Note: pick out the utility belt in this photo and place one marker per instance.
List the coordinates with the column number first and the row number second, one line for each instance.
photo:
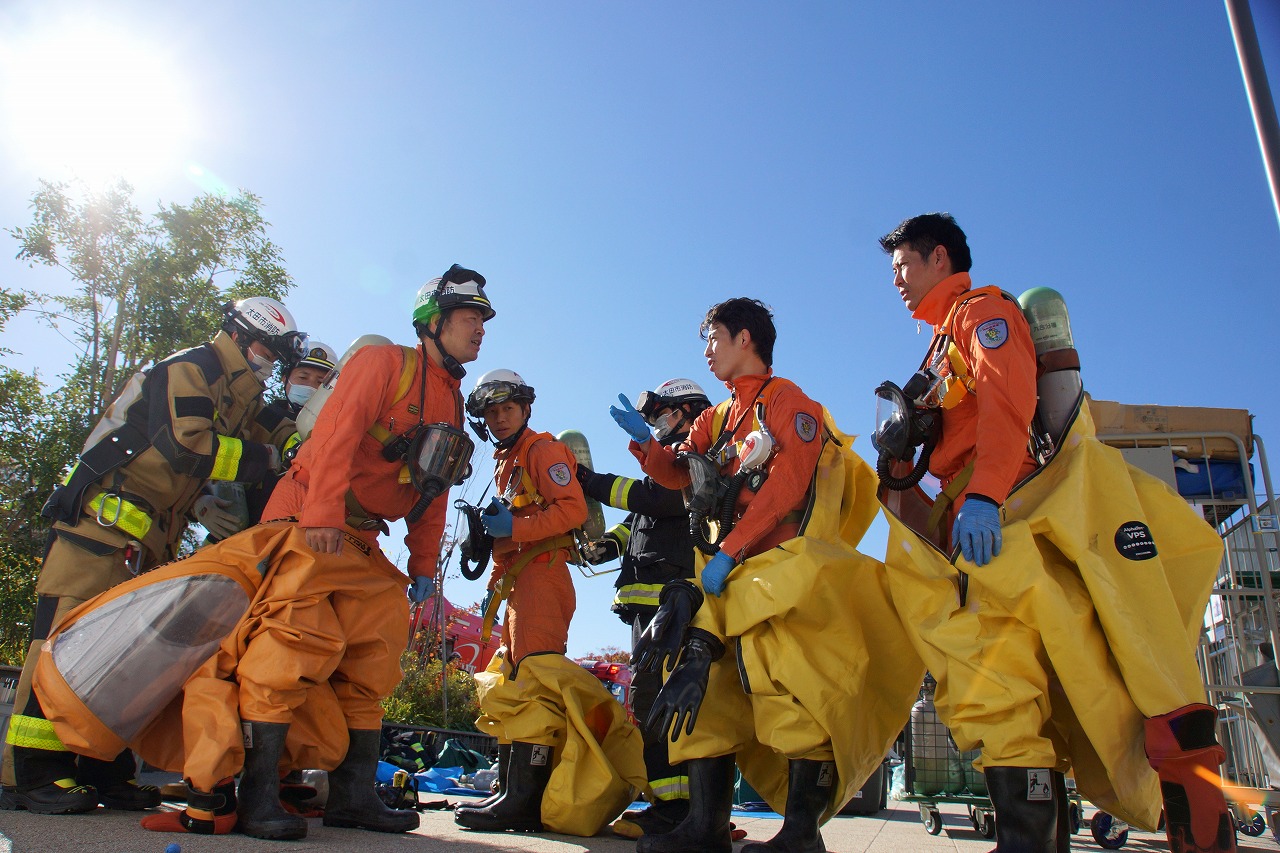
column 506, row 584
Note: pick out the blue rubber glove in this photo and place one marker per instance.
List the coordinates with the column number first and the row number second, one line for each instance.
column 631, row 421
column 715, row 572
column 421, row 589
column 496, row 519
column 977, row 529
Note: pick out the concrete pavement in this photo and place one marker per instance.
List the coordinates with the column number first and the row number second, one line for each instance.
column 897, row 829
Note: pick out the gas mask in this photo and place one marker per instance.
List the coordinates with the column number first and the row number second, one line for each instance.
column 907, row 418
column 439, row 456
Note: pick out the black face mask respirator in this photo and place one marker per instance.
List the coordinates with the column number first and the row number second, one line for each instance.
column 907, row 418
column 439, row 456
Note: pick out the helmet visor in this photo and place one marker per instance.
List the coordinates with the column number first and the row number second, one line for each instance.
column 492, row 393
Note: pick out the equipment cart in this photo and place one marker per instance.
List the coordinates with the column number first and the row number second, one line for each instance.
column 936, row 772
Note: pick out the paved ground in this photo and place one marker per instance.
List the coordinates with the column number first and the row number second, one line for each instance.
column 895, row 830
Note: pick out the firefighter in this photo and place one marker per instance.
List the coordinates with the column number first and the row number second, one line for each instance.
column 527, row 692
column 655, row 546
column 791, row 500
column 330, row 617
column 194, row 416
column 230, row 508
column 1041, row 633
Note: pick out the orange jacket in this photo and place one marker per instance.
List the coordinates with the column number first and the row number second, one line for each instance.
column 988, row 427
column 794, row 420
column 340, row 455
column 550, row 467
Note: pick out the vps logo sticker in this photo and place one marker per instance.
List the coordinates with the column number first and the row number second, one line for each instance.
column 1134, row 542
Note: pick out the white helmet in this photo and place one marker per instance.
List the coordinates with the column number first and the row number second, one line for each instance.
column 497, row 386
column 266, row 320
column 683, row 395
column 316, row 354
column 457, row 288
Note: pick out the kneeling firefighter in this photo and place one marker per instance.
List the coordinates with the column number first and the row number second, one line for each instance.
column 790, row 601
column 193, row 417
column 303, row 671
column 1054, row 592
column 532, row 698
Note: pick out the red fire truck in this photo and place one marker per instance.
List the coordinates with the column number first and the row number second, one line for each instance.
column 616, row 678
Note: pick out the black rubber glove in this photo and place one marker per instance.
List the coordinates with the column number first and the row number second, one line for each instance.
column 681, row 697
column 584, row 475
column 659, row 645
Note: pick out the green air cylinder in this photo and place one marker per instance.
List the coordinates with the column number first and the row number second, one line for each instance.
column 1059, row 386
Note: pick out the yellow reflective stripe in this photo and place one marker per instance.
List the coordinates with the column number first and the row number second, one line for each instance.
column 67, row 479
column 622, row 533
column 227, row 461
column 127, row 516
column 645, row 594
column 33, row 733
column 670, row 788
column 294, row 441
column 620, row 491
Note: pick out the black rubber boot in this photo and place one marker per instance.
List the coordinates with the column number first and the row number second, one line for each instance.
column 47, row 784
column 809, row 790
column 656, row 819
column 504, row 761
column 117, row 784
column 706, row 829
column 1064, row 812
column 352, row 802
column 1026, row 809
column 520, row 806
column 258, row 809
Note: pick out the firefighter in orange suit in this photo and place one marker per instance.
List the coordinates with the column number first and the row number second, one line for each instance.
column 332, row 609
column 1003, row 680
column 773, row 427
column 193, row 417
column 532, row 522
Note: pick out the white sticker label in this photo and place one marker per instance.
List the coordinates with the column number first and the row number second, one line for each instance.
column 1039, row 786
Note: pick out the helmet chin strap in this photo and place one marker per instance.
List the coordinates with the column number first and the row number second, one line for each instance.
column 451, row 364
column 504, row 443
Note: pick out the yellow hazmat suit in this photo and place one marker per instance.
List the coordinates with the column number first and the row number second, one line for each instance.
column 599, row 753
column 818, row 665
column 1094, row 608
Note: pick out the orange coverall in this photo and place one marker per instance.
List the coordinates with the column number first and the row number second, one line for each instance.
column 794, row 421
column 318, row 619
column 542, row 601
column 989, row 427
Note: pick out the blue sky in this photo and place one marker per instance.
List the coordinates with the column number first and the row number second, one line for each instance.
column 614, row 169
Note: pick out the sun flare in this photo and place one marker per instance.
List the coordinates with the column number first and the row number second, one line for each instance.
column 93, row 104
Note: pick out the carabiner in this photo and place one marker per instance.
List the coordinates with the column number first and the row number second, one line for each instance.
column 102, row 505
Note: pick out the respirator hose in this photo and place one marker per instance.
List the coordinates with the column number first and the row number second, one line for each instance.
column 901, row 484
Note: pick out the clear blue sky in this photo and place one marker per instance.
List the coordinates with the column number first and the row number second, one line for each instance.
column 614, row 169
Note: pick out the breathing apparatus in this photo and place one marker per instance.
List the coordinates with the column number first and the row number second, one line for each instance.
column 1058, row 385
column 477, row 548
column 711, row 495
column 907, row 418
column 457, row 288
column 498, row 386
column 439, row 456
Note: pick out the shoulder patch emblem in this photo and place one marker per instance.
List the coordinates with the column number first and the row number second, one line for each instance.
column 806, row 427
column 993, row 333
column 560, row 474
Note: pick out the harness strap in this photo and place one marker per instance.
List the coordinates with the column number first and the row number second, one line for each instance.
column 507, row 583
column 407, row 369
column 948, row 496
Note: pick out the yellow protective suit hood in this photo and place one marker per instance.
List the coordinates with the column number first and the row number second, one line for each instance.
column 818, row 663
column 1091, row 549
column 599, row 753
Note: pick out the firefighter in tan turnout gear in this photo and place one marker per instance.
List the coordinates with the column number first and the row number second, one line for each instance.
column 194, row 417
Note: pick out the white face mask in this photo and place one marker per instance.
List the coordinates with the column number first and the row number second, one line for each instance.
column 299, row 394
column 262, row 367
